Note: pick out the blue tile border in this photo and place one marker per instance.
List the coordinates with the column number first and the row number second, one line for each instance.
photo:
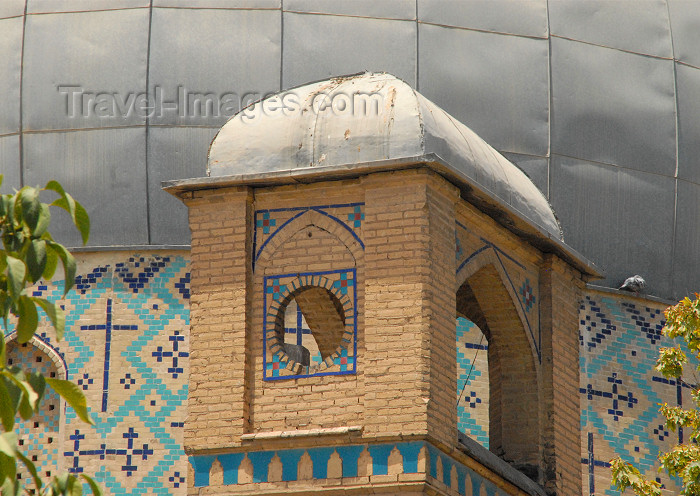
column 350, row 455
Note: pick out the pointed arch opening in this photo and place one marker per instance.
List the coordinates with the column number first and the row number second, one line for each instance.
column 484, row 303
column 41, row 436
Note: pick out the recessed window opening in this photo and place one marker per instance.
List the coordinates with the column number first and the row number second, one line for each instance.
column 310, row 325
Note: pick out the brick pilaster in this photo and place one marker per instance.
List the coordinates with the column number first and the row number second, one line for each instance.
column 410, row 378
column 560, row 287
column 220, row 286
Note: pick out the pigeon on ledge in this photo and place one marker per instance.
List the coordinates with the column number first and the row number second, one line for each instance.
column 634, row 283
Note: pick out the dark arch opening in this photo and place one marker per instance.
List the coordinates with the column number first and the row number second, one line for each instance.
column 512, row 375
column 310, row 324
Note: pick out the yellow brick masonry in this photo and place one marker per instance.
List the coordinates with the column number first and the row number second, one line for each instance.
column 560, row 291
column 411, row 363
column 221, row 288
column 406, row 287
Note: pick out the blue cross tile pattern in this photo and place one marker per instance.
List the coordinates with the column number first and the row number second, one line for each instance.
column 126, row 347
column 621, row 390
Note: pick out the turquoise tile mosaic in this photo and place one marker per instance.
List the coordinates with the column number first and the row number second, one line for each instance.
column 126, row 346
column 621, row 390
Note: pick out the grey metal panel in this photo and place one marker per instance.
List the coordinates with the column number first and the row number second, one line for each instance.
column 685, row 26
column 9, row 163
column 641, row 26
column 621, row 218
column 387, row 9
column 495, row 84
column 220, row 4
column 173, row 153
column 686, row 266
column 48, row 6
column 235, row 58
column 94, row 53
column 536, row 168
column 105, row 170
column 613, row 107
column 348, row 45
column 688, row 87
column 10, row 54
column 11, row 8
column 528, row 18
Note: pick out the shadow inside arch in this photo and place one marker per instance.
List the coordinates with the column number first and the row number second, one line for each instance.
column 483, row 298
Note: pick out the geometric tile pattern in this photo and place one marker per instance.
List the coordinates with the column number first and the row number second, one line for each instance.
column 620, row 390
column 269, row 222
column 279, row 305
column 126, row 346
column 470, row 247
column 413, row 457
column 472, row 382
column 38, row 436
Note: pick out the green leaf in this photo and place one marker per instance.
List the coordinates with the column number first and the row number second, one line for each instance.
column 43, row 222
column 8, row 404
column 82, row 222
column 36, row 259
column 28, row 396
column 96, row 490
column 38, row 384
column 51, row 264
column 9, row 488
column 8, row 474
column 73, row 486
column 32, row 470
column 8, row 443
column 55, row 313
column 27, row 320
column 68, row 261
column 75, row 209
column 28, row 198
column 73, row 396
column 16, row 272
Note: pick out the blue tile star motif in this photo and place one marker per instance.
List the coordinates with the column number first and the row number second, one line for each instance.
column 344, row 283
column 274, row 366
column 344, row 360
column 276, row 289
column 527, row 295
column 266, row 222
column 356, row 216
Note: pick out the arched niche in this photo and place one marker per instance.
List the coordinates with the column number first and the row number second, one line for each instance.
column 484, row 299
column 41, row 436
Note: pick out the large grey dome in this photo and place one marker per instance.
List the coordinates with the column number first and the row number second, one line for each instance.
column 595, row 100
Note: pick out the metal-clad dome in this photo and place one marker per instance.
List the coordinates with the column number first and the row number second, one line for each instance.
column 364, row 119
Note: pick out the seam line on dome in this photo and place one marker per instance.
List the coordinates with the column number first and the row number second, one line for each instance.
column 479, row 30
column 624, row 50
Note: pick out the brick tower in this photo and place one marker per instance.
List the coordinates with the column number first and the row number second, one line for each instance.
column 342, row 228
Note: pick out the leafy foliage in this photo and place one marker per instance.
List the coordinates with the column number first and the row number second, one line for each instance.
column 683, row 461
column 28, row 254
